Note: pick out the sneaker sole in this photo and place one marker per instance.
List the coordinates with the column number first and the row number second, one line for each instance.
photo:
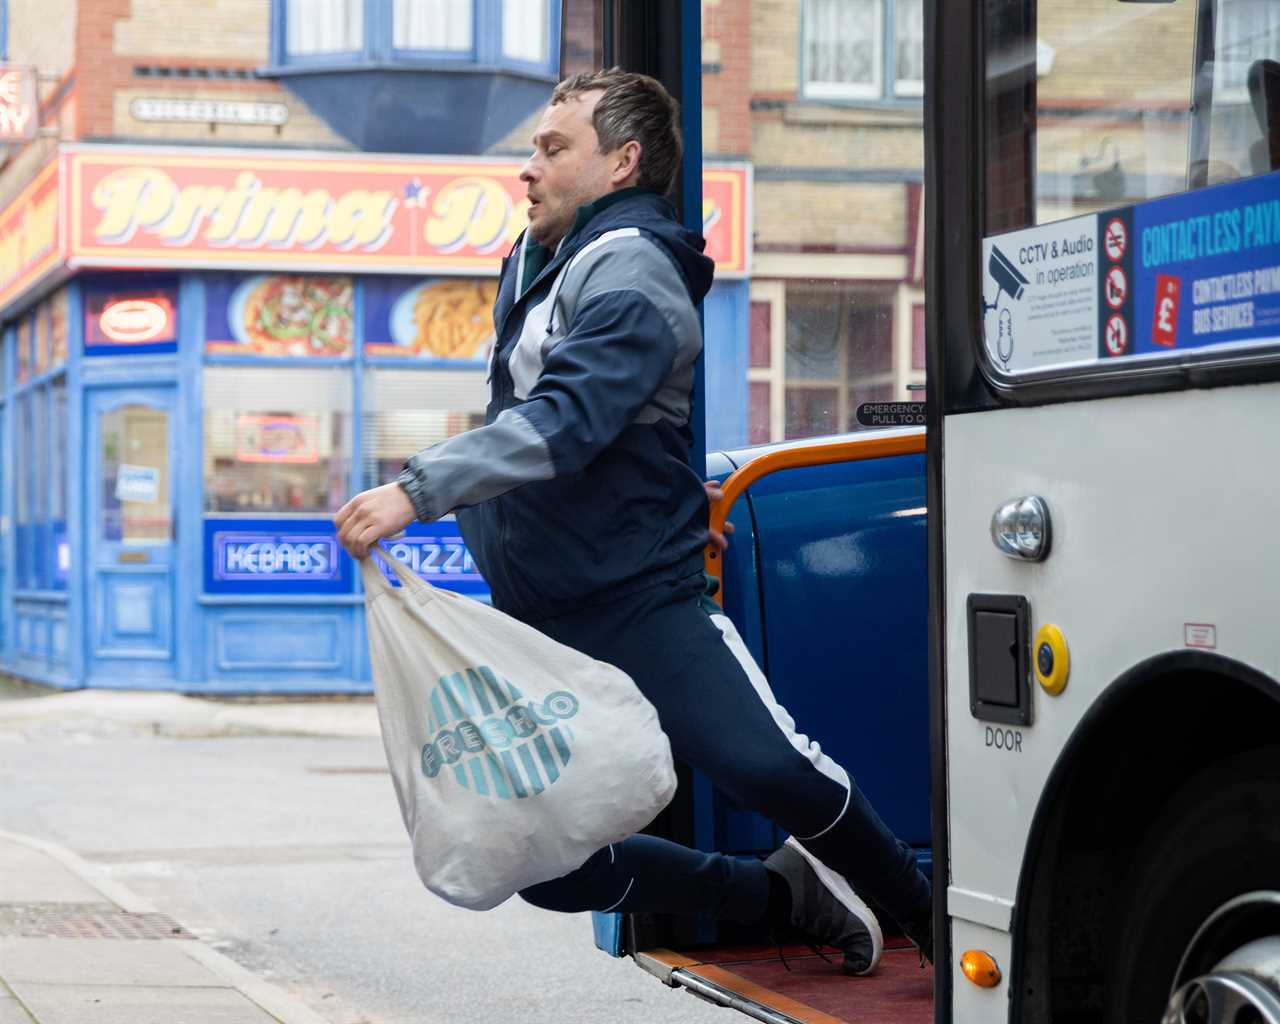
column 843, row 891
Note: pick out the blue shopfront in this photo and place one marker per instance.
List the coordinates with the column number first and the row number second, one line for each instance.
column 175, row 444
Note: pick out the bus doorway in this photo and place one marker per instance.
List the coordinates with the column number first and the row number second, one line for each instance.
column 803, row 131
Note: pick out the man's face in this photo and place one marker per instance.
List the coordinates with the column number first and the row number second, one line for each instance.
column 566, row 169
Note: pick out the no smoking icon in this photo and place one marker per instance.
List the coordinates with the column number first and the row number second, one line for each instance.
column 1116, row 334
column 1116, row 287
column 1116, row 239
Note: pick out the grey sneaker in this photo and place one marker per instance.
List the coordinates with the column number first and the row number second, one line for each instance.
column 826, row 910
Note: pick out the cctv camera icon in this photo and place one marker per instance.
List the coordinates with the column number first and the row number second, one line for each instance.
column 1007, row 277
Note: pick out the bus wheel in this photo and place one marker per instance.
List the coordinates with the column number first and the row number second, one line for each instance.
column 1243, row 986
column 1202, row 890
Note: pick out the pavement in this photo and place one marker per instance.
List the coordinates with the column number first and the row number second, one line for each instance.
column 76, row 947
column 173, row 714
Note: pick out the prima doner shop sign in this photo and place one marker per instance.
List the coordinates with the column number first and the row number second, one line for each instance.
column 29, row 236
column 224, row 209
column 133, row 206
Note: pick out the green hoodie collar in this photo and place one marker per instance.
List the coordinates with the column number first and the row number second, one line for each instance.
column 537, row 255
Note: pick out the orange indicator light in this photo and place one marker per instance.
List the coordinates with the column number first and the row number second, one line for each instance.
column 980, row 968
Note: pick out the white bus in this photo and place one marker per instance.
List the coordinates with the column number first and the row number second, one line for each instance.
column 1103, row 232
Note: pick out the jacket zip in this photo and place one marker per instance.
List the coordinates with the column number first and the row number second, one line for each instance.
column 500, row 381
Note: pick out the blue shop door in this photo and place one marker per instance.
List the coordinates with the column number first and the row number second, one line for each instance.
column 131, row 537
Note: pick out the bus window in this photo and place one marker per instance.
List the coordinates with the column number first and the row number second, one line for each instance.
column 1130, row 101
column 815, row 107
column 1107, row 126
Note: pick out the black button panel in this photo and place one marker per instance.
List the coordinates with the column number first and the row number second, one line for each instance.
column 1000, row 658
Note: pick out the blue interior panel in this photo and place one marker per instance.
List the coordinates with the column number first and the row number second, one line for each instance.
column 826, row 579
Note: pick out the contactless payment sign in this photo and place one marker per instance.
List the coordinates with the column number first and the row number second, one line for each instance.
column 1209, row 267
column 1183, row 274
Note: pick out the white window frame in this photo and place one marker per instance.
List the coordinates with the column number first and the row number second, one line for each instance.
column 881, row 88
column 544, row 14
column 845, row 90
column 906, row 88
column 294, row 23
column 400, row 8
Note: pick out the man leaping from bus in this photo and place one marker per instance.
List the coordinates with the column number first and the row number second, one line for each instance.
column 579, row 505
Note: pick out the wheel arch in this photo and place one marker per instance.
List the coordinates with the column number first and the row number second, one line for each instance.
column 1157, row 725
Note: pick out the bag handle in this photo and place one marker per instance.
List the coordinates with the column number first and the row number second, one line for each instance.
column 376, row 583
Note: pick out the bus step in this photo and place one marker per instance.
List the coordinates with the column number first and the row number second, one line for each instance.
column 754, row 981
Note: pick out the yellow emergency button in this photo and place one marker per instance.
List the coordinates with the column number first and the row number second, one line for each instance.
column 980, row 968
column 1052, row 661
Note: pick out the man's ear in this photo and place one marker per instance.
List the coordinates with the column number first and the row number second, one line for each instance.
column 627, row 165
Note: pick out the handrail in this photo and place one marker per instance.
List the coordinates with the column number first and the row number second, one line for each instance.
column 795, row 458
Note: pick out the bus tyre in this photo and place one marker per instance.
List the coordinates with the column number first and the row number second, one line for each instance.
column 1217, row 838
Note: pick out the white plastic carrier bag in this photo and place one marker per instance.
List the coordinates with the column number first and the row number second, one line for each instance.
column 514, row 758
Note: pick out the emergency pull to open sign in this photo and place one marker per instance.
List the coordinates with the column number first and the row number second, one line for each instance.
column 891, row 414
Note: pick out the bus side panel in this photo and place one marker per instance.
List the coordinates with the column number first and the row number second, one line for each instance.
column 1157, row 546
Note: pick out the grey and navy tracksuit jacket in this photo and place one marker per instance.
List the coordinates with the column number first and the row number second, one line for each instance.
column 579, row 485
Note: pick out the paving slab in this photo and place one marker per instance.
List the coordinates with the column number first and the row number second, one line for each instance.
column 113, row 1004
column 30, row 876
column 101, row 962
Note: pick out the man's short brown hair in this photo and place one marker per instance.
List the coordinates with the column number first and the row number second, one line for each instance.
column 635, row 107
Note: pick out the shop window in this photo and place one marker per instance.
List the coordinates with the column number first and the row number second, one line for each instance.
column 40, row 457
column 276, row 442
column 406, row 410
column 839, row 353
column 761, row 339
column 58, row 551
column 758, row 416
column 917, row 338
column 24, row 350
column 848, row 55
column 24, row 472
column 135, row 487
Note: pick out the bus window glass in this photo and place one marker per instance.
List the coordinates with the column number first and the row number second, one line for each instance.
column 1097, row 104
column 814, row 108
column 1105, row 122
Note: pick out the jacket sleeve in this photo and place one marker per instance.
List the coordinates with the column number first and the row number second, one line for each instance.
column 632, row 325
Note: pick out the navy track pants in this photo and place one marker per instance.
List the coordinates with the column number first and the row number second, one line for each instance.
column 716, row 707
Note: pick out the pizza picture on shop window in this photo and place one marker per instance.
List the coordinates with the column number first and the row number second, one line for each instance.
column 293, row 315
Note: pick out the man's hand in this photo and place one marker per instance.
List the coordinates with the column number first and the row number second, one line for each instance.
column 372, row 515
column 714, row 494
